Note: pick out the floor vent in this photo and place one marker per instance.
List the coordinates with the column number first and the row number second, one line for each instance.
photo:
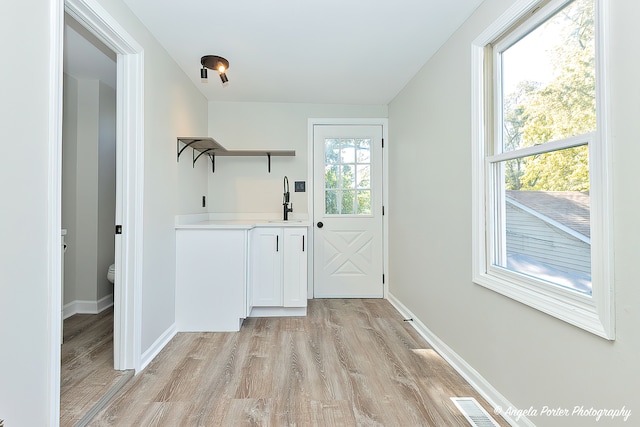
column 473, row 412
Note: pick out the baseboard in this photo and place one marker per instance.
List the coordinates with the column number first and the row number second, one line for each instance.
column 473, row 377
column 278, row 311
column 87, row 307
column 157, row 346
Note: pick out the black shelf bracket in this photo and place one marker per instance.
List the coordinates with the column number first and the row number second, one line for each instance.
column 269, row 162
column 186, row 144
column 213, row 162
column 198, row 156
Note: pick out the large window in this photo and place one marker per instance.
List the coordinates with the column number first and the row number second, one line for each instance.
column 541, row 223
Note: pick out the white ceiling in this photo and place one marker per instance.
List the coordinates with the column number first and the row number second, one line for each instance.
column 329, row 51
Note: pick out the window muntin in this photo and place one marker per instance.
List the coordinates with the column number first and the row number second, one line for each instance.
column 347, row 178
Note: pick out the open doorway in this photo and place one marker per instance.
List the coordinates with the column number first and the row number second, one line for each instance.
column 88, row 223
column 129, row 188
column 88, row 170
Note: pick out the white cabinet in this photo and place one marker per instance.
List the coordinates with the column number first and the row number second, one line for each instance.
column 294, row 280
column 266, row 266
column 211, row 279
column 278, row 270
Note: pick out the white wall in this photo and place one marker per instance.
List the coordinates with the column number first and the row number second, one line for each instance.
column 24, row 295
column 173, row 107
column 243, row 184
column 531, row 358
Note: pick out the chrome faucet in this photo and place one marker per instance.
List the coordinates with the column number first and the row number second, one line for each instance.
column 287, row 206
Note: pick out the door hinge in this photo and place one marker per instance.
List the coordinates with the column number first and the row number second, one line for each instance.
column 382, row 142
column 118, row 229
column 383, row 278
column 382, row 209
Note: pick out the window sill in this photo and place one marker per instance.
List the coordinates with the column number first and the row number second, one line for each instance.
column 568, row 306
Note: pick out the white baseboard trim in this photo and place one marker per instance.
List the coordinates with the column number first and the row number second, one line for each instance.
column 278, row 311
column 87, row 307
column 473, row 377
column 157, row 346
column 105, row 303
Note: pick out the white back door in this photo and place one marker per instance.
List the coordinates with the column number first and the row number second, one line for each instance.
column 348, row 253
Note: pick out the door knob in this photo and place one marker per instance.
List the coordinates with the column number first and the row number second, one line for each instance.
column 320, row 224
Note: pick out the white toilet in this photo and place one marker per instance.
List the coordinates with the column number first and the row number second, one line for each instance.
column 111, row 273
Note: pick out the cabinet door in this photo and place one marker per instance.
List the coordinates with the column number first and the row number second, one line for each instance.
column 295, row 267
column 267, row 247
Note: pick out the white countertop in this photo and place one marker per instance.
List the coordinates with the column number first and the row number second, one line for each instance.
column 204, row 221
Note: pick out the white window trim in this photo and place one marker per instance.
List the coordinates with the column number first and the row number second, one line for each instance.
column 595, row 314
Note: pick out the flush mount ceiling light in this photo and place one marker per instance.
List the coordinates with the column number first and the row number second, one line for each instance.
column 217, row 63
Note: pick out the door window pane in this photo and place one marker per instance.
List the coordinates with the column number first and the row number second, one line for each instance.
column 364, row 150
column 363, row 174
column 364, row 202
column 331, row 174
column 331, row 151
column 347, row 179
column 331, row 202
column 348, row 176
column 347, row 207
column 347, row 151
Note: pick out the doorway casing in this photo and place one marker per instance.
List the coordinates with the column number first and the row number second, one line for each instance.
column 129, row 186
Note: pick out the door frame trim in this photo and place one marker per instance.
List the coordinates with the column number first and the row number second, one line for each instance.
column 130, row 155
column 311, row 123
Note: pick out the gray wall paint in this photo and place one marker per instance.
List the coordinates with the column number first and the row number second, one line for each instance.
column 531, row 358
column 106, row 188
column 86, row 226
column 88, row 187
column 69, row 182
column 243, row 184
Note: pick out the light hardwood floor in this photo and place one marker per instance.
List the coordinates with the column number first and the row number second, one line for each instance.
column 86, row 371
column 350, row 362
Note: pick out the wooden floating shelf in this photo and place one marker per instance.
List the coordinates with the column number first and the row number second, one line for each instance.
column 212, row 148
column 256, row 153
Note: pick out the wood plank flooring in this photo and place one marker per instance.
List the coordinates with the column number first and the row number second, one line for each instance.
column 87, row 372
column 350, row 362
